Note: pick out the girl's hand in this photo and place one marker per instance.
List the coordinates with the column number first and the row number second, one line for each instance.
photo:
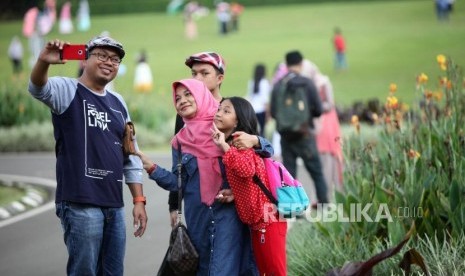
column 146, row 162
column 225, row 196
column 219, row 139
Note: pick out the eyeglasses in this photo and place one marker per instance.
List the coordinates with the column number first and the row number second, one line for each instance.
column 104, row 57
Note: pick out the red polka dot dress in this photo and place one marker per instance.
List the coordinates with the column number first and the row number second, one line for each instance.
column 241, row 166
column 253, row 206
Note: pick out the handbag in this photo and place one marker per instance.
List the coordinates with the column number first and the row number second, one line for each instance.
column 129, row 138
column 182, row 255
column 165, row 268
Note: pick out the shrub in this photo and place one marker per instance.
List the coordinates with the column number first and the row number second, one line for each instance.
column 310, row 252
column 19, row 107
column 415, row 163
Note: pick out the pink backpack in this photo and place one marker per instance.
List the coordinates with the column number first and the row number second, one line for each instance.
column 285, row 192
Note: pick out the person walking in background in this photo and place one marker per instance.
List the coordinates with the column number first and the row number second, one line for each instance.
column 83, row 16
column 299, row 142
column 65, row 23
column 220, row 238
column 258, row 94
column 15, row 53
column 190, row 26
column 339, row 43
column 89, row 123
column 236, row 10
column 443, row 7
column 143, row 80
column 328, row 136
column 268, row 233
column 223, row 14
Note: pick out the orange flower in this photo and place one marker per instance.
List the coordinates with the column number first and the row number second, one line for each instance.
column 437, row 96
column 392, row 87
column 443, row 81
column 428, row 94
column 387, row 120
column 449, row 85
column 413, row 154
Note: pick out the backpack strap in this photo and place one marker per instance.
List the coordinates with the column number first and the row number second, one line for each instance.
column 265, row 190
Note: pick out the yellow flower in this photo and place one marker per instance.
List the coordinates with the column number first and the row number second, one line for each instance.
column 21, row 108
column 392, row 87
column 355, row 123
column 422, row 78
column 392, row 102
column 441, row 59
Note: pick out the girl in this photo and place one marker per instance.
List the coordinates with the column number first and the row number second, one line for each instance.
column 268, row 233
column 220, row 238
column 259, row 91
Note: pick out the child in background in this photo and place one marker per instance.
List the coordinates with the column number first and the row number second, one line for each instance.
column 268, row 233
column 15, row 53
column 340, row 49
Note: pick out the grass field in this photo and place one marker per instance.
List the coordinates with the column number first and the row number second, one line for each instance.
column 386, row 42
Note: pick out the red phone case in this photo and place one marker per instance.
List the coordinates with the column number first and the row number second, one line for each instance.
column 74, row 52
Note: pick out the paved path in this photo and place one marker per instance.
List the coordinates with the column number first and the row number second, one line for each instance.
column 32, row 244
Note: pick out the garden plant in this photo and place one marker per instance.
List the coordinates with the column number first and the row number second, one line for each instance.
column 413, row 171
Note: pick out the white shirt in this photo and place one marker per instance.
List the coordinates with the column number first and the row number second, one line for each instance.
column 260, row 99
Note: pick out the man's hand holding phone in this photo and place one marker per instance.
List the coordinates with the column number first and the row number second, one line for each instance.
column 73, row 52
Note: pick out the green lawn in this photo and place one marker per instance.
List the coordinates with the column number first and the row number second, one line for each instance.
column 386, row 42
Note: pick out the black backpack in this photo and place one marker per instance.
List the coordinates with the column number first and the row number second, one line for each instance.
column 291, row 108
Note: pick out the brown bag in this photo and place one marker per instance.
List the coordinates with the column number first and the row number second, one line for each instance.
column 182, row 256
column 129, row 138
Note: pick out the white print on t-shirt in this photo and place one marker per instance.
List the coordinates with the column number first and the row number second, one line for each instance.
column 97, row 119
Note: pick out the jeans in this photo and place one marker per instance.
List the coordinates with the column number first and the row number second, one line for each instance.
column 95, row 238
column 340, row 62
column 306, row 149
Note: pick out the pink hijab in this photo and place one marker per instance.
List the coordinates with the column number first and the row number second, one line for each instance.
column 195, row 138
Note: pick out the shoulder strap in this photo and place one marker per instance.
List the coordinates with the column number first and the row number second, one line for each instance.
column 179, row 182
column 265, row 190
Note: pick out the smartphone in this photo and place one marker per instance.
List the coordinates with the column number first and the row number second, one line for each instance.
column 74, row 52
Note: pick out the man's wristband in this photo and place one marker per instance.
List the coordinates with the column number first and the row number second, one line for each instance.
column 152, row 169
column 139, row 199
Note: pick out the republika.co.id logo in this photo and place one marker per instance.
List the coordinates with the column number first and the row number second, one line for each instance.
column 354, row 212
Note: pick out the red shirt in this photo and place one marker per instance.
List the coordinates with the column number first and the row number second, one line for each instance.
column 241, row 166
column 339, row 43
